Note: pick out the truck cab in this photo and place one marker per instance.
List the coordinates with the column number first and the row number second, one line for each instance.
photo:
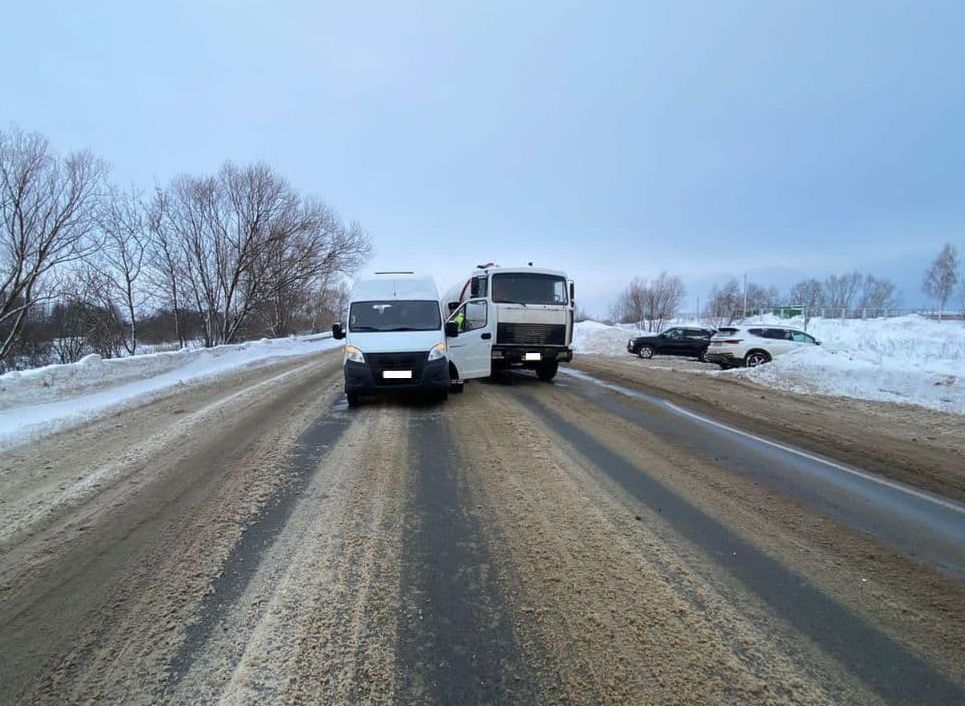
column 511, row 317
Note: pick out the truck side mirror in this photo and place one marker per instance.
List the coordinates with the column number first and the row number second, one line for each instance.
column 338, row 332
column 452, row 329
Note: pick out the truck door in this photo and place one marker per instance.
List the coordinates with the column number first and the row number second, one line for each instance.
column 471, row 350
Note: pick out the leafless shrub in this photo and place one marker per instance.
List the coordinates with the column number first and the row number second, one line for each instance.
column 725, row 304
column 650, row 303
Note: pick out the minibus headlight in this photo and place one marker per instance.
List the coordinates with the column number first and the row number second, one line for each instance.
column 437, row 351
column 354, row 354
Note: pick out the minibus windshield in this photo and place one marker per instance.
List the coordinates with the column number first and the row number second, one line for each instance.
column 395, row 315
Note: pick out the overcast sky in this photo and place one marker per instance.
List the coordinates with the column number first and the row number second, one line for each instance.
column 607, row 139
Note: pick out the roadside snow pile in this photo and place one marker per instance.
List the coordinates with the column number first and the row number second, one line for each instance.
column 594, row 338
column 905, row 338
column 34, row 402
column 908, row 359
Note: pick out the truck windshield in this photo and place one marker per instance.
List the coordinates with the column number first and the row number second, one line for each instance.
column 395, row 316
column 525, row 288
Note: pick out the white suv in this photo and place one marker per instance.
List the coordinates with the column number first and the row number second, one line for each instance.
column 750, row 346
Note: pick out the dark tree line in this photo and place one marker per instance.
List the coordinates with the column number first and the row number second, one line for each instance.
column 87, row 267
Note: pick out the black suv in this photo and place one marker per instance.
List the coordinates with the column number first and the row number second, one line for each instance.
column 691, row 342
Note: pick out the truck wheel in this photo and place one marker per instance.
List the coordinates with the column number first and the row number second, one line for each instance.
column 353, row 399
column 547, row 371
column 645, row 352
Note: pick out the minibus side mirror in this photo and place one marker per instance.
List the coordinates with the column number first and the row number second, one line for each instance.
column 338, row 332
column 452, row 329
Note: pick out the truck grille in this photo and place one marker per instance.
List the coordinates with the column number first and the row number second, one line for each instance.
column 378, row 362
column 531, row 334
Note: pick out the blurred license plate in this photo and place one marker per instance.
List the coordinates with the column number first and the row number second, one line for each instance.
column 397, row 374
column 532, row 356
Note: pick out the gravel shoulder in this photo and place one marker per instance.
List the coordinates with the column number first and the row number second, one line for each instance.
column 921, row 447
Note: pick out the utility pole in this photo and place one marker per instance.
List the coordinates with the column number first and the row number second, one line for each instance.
column 745, row 295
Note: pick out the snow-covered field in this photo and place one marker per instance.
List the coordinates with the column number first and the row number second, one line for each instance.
column 907, row 359
column 40, row 401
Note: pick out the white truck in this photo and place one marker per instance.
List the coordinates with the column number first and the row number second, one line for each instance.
column 509, row 317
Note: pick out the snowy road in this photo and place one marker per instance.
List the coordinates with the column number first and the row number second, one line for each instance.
column 251, row 540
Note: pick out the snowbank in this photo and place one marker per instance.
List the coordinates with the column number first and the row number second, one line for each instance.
column 592, row 337
column 43, row 400
column 907, row 359
column 935, row 383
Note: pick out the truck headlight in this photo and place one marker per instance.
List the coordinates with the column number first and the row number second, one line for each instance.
column 437, row 351
column 354, row 354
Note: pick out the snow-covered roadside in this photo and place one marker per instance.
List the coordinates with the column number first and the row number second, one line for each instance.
column 908, row 359
column 37, row 402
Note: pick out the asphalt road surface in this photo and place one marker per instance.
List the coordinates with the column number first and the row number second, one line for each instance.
column 614, row 537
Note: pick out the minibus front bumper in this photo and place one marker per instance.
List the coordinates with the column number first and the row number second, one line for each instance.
column 369, row 378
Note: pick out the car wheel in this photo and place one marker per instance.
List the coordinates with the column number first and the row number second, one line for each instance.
column 645, row 352
column 456, row 387
column 755, row 358
column 353, row 399
column 702, row 356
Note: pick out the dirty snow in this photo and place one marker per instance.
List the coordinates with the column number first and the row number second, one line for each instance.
column 40, row 401
column 907, row 359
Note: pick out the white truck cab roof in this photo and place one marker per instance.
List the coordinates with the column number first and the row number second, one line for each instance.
column 457, row 291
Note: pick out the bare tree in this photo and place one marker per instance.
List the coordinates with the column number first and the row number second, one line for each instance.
column 724, row 304
column 877, row 294
column 166, row 268
column 246, row 243
column 760, row 298
column 809, row 295
column 649, row 303
column 305, row 256
column 629, row 306
column 661, row 300
column 840, row 291
column 47, row 211
column 941, row 277
column 119, row 259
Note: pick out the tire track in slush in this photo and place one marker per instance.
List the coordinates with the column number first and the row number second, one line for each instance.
column 245, row 557
column 897, row 675
column 455, row 643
